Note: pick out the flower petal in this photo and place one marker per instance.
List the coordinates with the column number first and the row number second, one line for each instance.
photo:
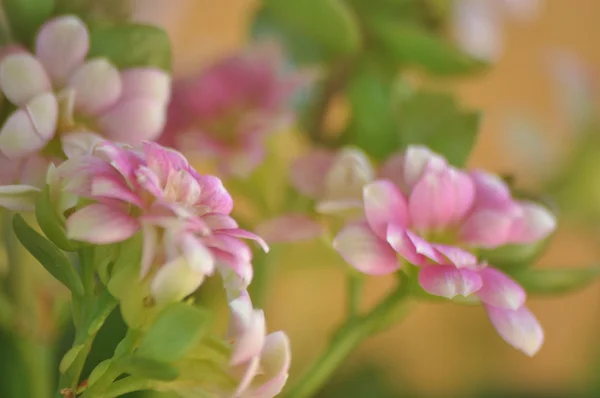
column 242, row 233
column 80, row 143
column 18, row 197
column 134, row 120
column 418, row 160
column 535, row 223
column 198, row 256
column 307, row 174
column 101, row 224
column 499, row 290
column 518, row 328
column 97, row 86
column 289, row 228
column 449, row 281
column 62, row 45
column 149, row 248
column 150, row 83
column 28, row 130
column 384, row 204
column 365, row 251
column 174, row 281
column 393, row 169
column 22, row 77
column 490, row 191
column 275, row 363
column 487, row 228
column 250, row 339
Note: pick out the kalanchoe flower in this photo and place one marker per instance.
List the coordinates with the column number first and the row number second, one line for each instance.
column 477, row 24
column 59, row 92
column 334, row 179
column 182, row 215
column 228, row 111
column 432, row 214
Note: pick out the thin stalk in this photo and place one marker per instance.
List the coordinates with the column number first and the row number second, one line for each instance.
column 355, row 289
column 348, row 337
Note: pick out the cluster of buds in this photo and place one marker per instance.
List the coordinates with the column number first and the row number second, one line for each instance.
column 58, row 92
column 438, row 220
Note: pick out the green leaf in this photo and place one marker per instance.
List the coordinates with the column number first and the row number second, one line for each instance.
column 151, row 369
column 51, row 258
column 132, row 45
column 373, row 125
column 51, row 223
column 69, row 358
column 436, row 121
column 26, row 16
column 553, row 281
column 175, row 332
column 514, row 256
column 413, row 45
column 98, row 372
column 329, row 23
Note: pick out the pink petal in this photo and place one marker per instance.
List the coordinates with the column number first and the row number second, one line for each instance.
column 242, row 233
column 163, row 160
column 477, row 28
column 236, row 275
column 384, row 204
column 22, row 77
column 487, row 228
column 439, row 199
column 418, row 160
column 499, row 290
column 250, row 339
column 535, row 223
column 219, row 221
column 214, row 195
column 146, row 82
column 101, row 224
column 97, row 86
column 518, row 328
column 18, row 197
column 449, row 281
column 365, row 251
column 174, row 281
column 414, row 249
column 134, row 120
column 28, row 130
column 62, row 45
column 275, row 363
column 393, row 169
column 307, row 174
column 456, row 256
column 114, row 187
column 490, row 191
column 289, row 228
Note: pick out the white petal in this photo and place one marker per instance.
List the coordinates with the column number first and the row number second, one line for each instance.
column 18, row 197
column 22, row 77
column 97, row 86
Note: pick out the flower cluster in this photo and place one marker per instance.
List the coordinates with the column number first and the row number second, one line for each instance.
column 435, row 217
column 227, row 112
column 58, row 92
column 188, row 233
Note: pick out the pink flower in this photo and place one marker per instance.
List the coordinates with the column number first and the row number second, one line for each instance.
column 334, row 179
column 262, row 362
column 228, row 111
column 431, row 213
column 57, row 92
column 182, row 215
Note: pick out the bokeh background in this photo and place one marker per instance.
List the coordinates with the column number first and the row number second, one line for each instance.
column 441, row 350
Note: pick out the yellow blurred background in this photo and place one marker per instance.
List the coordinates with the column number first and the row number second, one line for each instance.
column 442, row 348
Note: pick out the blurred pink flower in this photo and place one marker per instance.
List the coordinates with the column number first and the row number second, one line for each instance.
column 182, row 215
column 262, row 362
column 227, row 112
column 478, row 24
column 58, row 92
column 431, row 214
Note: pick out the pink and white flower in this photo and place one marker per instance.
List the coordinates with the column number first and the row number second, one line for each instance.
column 228, row 111
column 184, row 217
column 431, row 214
column 58, row 92
column 262, row 360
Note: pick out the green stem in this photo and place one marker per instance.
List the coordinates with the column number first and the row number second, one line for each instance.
column 355, row 289
column 20, row 287
column 348, row 337
column 127, row 385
